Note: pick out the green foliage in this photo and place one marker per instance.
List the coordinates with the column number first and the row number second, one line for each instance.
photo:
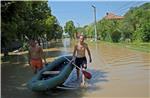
column 146, row 32
column 135, row 26
column 28, row 19
column 70, row 29
column 51, row 25
column 59, row 33
column 89, row 31
column 109, row 30
column 116, row 35
column 80, row 29
column 135, row 23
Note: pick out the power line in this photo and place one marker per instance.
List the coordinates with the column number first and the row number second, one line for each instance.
column 122, row 6
column 127, row 6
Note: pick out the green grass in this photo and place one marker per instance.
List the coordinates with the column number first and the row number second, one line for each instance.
column 144, row 47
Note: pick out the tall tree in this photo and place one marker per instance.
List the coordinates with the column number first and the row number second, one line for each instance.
column 70, row 29
column 134, row 26
column 26, row 19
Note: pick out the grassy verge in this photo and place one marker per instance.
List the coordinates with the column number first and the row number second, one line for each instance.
column 144, row 47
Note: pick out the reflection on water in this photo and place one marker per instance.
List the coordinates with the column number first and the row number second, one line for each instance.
column 97, row 76
column 112, row 68
column 66, row 42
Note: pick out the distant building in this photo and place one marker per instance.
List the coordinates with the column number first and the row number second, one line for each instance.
column 112, row 16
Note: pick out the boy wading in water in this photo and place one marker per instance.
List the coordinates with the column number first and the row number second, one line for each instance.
column 80, row 58
column 35, row 56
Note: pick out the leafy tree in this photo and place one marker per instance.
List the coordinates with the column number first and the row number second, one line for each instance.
column 70, row 29
column 134, row 26
column 136, row 19
column 26, row 19
column 59, row 30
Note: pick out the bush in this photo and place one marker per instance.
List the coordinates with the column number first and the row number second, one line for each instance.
column 146, row 32
column 116, row 35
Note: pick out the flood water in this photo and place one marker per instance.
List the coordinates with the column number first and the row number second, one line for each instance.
column 116, row 72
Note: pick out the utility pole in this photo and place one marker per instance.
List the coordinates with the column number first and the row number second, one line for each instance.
column 95, row 22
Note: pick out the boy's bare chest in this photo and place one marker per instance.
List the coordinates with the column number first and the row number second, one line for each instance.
column 81, row 47
column 35, row 50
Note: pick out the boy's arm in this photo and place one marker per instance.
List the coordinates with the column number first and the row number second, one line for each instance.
column 74, row 53
column 29, row 57
column 89, row 53
column 43, row 55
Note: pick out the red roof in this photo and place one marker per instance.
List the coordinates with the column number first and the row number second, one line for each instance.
column 112, row 16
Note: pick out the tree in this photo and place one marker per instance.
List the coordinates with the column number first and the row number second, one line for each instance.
column 70, row 29
column 26, row 19
column 59, row 33
column 136, row 19
column 134, row 26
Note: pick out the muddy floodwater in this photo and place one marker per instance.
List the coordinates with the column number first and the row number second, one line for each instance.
column 117, row 72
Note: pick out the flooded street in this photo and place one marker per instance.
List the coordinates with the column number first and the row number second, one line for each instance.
column 116, row 72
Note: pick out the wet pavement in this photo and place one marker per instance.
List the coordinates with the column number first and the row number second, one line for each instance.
column 116, row 72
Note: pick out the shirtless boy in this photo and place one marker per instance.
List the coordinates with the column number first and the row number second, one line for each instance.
column 79, row 56
column 35, row 56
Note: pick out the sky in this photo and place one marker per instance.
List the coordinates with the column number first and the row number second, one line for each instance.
column 82, row 12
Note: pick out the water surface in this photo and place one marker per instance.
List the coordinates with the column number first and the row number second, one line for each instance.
column 117, row 72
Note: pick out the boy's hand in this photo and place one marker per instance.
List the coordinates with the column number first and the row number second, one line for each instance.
column 45, row 61
column 46, row 64
column 73, row 59
column 29, row 63
column 85, row 66
column 90, row 60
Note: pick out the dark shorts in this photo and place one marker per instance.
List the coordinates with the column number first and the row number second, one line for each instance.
column 80, row 61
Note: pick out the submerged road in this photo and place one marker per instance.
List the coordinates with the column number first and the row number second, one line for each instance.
column 117, row 72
